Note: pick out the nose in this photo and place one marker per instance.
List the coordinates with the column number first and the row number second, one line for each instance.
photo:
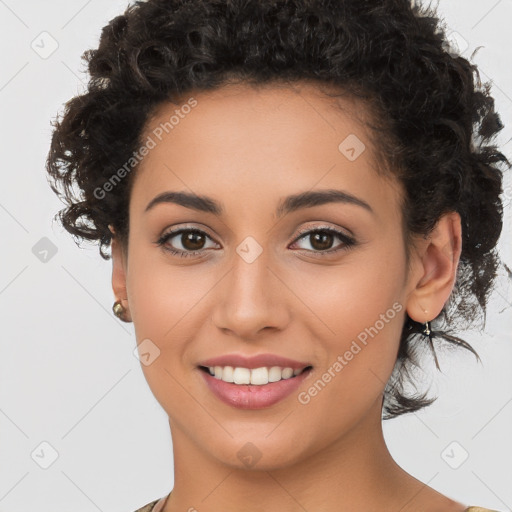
column 252, row 298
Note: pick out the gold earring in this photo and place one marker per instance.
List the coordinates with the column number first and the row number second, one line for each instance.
column 119, row 310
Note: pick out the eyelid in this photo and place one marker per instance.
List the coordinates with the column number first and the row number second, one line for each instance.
column 171, row 233
column 331, row 229
column 186, row 227
column 347, row 240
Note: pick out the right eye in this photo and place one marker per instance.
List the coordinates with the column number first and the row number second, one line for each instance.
column 191, row 241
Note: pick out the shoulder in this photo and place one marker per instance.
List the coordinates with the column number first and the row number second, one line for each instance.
column 479, row 509
column 151, row 506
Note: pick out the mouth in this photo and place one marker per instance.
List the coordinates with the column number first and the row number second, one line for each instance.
column 253, row 388
column 253, row 376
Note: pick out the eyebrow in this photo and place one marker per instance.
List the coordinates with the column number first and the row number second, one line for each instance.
column 289, row 204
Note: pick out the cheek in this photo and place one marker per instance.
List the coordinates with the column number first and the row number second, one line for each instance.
column 162, row 304
column 361, row 310
column 361, row 349
column 359, row 361
column 162, row 296
column 364, row 291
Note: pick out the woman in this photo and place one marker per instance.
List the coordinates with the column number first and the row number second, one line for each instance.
column 299, row 199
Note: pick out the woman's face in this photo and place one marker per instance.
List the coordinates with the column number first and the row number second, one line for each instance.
column 256, row 279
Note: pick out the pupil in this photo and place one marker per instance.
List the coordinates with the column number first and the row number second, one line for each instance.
column 194, row 241
column 191, row 237
column 322, row 236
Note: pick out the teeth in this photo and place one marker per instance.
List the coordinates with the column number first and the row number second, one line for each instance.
column 275, row 374
column 227, row 374
column 259, row 376
column 255, row 376
column 241, row 376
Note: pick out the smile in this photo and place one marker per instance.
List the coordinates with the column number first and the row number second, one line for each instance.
column 242, row 393
column 254, row 376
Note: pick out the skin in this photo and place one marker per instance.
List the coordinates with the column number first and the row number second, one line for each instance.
column 330, row 453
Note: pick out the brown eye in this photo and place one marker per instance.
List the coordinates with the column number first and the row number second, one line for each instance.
column 192, row 242
column 321, row 240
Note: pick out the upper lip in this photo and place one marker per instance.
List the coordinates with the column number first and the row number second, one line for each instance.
column 258, row 361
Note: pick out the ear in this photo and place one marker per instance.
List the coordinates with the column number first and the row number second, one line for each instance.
column 437, row 261
column 119, row 274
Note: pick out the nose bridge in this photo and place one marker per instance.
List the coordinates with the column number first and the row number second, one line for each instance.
column 249, row 284
column 250, row 298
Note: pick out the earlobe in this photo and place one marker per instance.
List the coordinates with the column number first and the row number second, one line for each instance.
column 119, row 276
column 439, row 256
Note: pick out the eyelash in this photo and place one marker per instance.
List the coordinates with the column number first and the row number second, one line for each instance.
column 348, row 242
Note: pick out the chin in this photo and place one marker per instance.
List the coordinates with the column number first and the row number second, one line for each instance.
column 259, row 453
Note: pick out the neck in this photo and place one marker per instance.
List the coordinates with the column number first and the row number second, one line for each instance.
column 356, row 472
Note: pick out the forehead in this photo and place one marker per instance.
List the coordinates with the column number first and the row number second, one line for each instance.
column 286, row 111
column 252, row 143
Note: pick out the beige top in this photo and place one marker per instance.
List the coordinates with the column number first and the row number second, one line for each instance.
column 158, row 505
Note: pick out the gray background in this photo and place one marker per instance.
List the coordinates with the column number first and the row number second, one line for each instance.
column 68, row 376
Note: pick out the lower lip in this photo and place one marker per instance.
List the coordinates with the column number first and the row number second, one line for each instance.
column 246, row 396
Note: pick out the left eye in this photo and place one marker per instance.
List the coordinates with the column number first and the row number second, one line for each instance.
column 321, row 240
column 192, row 241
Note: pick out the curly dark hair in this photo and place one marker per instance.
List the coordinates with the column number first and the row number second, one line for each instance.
column 432, row 121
